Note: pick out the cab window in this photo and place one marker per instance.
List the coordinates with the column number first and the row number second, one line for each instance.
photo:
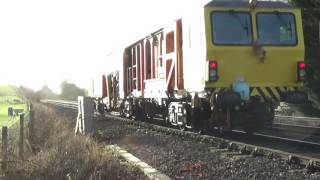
column 276, row 29
column 231, row 28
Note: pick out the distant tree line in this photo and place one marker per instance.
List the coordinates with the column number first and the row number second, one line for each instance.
column 69, row 91
column 311, row 19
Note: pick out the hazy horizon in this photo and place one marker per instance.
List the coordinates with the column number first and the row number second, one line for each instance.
column 45, row 42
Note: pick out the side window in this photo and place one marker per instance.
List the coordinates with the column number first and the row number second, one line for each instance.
column 170, row 42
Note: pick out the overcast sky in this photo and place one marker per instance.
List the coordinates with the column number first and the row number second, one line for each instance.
column 45, row 42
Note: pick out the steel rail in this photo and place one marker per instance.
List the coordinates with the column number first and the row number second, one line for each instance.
column 61, row 103
column 297, row 129
column 299, row 121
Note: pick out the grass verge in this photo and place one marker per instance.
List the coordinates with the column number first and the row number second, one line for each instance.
column 8, row 98
column 60, row 154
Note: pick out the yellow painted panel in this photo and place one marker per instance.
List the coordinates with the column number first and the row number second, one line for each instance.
column 277, row 69
column 254, row 92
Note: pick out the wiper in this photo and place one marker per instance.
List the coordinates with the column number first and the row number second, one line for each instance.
column 244, row 26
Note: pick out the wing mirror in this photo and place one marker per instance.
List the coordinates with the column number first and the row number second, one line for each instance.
column 259, row 51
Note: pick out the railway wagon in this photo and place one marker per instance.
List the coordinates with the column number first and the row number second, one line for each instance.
column 227, row 64
column 107, row 90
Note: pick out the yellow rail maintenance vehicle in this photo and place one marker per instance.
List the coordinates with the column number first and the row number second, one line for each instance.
column 223, row 64
column 255, row 58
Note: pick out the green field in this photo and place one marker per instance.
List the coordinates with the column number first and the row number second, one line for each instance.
column 7, row 91
column 8, row 98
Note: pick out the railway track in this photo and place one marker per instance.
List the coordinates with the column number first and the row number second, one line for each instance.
column 302, row 152
column 303, row 128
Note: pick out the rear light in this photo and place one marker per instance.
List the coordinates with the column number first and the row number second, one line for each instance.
column 301, row 71
column 213, row 71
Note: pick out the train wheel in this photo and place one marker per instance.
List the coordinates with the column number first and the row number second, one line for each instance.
column 188, row 113
column 185, row 120
column 182, row 127
column 270, row 115
column 140, row 114
column 126, row 109
column 121, row 109
column 101, row 108
column 165, row 116
column 260, row 117
column 150, row 117
column 196, row 122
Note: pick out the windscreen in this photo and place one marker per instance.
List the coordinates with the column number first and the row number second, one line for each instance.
column 276, row 29
column 231, row 28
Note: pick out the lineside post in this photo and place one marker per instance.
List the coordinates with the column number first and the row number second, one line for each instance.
column 84, row 123
column 21, row 135
column 4, row 148
column 31, row 123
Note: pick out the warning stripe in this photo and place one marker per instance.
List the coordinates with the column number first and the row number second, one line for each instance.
column 278, row 90
column 261, row 93
column 264, row 92
column 251, row 89
column 254, row 92
column 268, row 92
column 274, row 94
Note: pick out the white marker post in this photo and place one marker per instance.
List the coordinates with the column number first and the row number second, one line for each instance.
column 84, row 123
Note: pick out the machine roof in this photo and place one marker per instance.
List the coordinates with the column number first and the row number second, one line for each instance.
column 243, row 3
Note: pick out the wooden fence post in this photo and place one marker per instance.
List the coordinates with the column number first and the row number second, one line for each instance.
column 21, row 137
column 31, row 123
column 4, row 148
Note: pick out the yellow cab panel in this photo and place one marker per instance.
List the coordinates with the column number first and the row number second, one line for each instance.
column 261, row 44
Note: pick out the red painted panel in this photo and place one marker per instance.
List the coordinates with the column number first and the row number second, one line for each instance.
column 153, row 60
column 170, row 77
column 180, row 79
column 104, row 87
column 141, row 82
column 125, row 60
column 139, row 68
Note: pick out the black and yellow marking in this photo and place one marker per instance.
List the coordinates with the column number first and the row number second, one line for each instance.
column 270, row 92
column 273, row 93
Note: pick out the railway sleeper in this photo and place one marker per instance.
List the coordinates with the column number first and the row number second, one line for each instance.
column 313, row 166
column 294, row 160
column 272, row 155
column 233, row 147
column 256, row 152
column 245, row 150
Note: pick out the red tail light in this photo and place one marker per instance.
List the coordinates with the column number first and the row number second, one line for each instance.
column 301, row 71
column 213, row 71
column 302, row 65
